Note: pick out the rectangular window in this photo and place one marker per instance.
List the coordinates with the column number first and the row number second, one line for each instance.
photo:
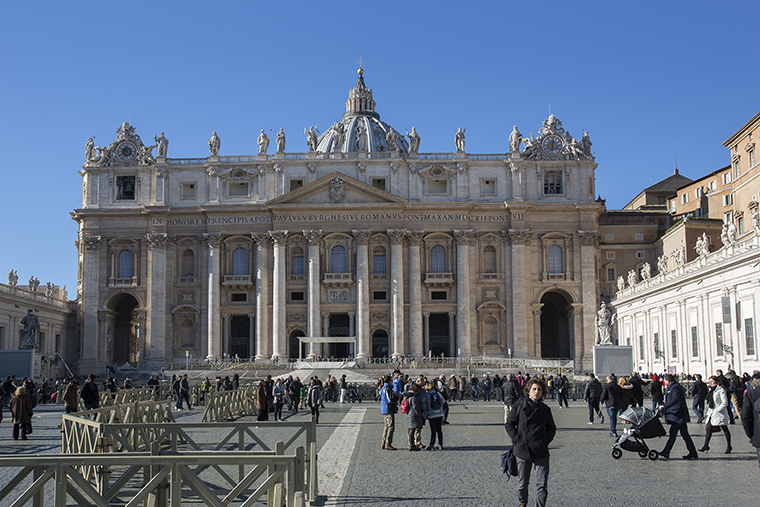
column 712, row 185
column 752, row 161
column 611, row 274
column 641, row 254
column 728, row 199
column 740, row 225
column 553, row 183
column 438, row 186
column 609, row 237
column 726, row 178
column 379, row 264
column 297, row 296
column 378, row 183
column 125, row 188
column 639, row 236
column 737, row 167
column 673, row 343
column 698, row 192
column 610, row 256
column 379, row 295
column 685, row 199
column 238, row 188
column 657, row 350
column 719, row 339
column 438, row 295
column 295, row 184
column 488, row 187
column 2, row 339
column 641, row 348
column 694, row 342
column 187, row 191
column 728, row 217
column 749, row 337
column 239, row 298
column 297, row 265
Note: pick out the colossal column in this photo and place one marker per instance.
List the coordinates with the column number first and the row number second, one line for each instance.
column 464, row 239
column 313, row 300
column 588, row 240
column 397, row 291
column 92, row 353
column 416, row 340
column 156, row 324
column 279, row 292
column 263, row 244
column 520, row 239
column 213, row 243
column 362, row 293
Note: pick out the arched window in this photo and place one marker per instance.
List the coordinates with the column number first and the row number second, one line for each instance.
column 188, row 334
column 489, row 259
column 126, row 267
column 338, row 259
column 378, row 258
column 240, row 261
column 296, row 264
column 437, row 259
column 187, row 263
column 555, row 260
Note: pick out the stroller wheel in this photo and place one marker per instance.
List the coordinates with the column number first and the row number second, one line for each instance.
column 617, row 453
column 643, row 454
column 653, row 455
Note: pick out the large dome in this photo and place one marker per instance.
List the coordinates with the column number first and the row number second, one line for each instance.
column 360, row 129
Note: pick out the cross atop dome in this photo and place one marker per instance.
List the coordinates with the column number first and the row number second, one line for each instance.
column 360, row 100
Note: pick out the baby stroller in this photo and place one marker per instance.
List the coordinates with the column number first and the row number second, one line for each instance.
column 644, row 425
column 353, row 395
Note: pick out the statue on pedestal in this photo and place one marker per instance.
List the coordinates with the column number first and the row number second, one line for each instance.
column 414, row 140
column 214, row 144
column 30, row 331
column 263, row 142
column 603, row 326
column 514, row 140
column 280, row 140
column 12, row 278
column 662, row 264
column 163, row 145
column 459, row 140
column 620, row 283
column 89, row 150
column 646, row 271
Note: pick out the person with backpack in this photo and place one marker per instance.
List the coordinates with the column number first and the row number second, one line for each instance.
column 435, row 415
column 388, row 407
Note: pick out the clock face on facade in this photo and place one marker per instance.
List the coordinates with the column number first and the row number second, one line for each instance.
column 126, row 151
column 552, row 145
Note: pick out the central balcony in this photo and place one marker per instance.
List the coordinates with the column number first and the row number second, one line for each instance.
column 338, row 279
column 439, row 279
column 237, row 281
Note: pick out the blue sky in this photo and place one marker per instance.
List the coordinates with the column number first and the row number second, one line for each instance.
column 641, row 77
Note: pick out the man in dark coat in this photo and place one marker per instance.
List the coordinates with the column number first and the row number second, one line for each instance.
column 637, row 395
column 591, row 396
column 751, row 412
column 511, row 394
column 677, row 415
column 611, row 399
column 90, row 395
column 698, row 392
column 657, row 394
column 531, row 427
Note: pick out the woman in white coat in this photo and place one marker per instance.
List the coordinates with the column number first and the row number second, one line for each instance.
column 716, row 414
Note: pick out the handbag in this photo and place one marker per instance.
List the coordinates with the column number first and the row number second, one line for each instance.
column 29, row 428
column 509, row 463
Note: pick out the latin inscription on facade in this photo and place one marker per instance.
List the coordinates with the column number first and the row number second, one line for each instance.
column 332, row 217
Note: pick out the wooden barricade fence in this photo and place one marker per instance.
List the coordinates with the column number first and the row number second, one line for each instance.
column 156, row 480
column 221, row 406
column 109, row 399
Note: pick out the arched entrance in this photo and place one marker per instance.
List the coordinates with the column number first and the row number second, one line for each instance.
column 124, row 337
column 380, row 344
column 293, row 345
column 555, row 327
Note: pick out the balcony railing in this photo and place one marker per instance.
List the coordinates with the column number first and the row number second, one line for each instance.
column 236, row 280
column 186, row 280
column 338, row 279
column 123, row 282
column 439, row 279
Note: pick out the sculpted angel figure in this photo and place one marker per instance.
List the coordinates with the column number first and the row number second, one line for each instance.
column 263, row 142
column 632, row 278
column 280, row 140
column 414, row 140
column 214, row 144
column 646, row 271
column 662, row 264
column 89, row 150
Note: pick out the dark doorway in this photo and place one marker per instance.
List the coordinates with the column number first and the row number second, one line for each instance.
column 293, row 345
column 440, row 340
column 338, row 327
column 380, row 344
column 125, row 342
column 240, row 333
column 555, row 327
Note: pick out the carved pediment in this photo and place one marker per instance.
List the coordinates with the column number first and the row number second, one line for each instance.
column 437, row 171
column 127, row 150
column 238, row 173
column 185, row 309
column 337, row 188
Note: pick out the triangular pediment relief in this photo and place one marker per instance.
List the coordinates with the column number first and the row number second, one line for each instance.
column 437, row 171
column 337, row 189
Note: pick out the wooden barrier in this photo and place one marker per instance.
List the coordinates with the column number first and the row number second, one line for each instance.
column 109, row 399
column 221, row 406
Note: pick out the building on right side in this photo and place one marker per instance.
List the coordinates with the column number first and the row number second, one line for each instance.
column 694, row 308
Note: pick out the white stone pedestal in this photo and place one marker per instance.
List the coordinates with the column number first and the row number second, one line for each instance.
column 617, row 359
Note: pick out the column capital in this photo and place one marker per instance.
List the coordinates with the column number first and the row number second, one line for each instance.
column 464, row 236
column 312, row 235
column 426, row 314
column 588, row 238
column 325, row 314
column 396, row 236
column 536, row 308
column 91, row 242
column 157, row 240
column 361, row 236
column 519, row 236
column 279, row 237
column 415, row 237
column 212, row 240
column 577, row 308
column 226, row 316
column 251, row 315
column 262, row 239
column 452, row 313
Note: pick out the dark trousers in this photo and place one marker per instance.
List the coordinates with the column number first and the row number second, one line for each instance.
column 593, row 407
column 315, row 412
column 523, row 479
column 435, row 429
column 19, row 427
column 698, row 406
column 675, row 428
column 278, row 411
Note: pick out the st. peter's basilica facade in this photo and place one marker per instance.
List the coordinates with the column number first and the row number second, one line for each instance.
column 363, row 246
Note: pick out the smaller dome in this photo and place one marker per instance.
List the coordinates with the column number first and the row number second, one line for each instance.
column 360, row 129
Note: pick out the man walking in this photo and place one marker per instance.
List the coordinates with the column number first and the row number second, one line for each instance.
column 591, row 396
column 698, row 392
column 90, row 395
column 511, row 394
column 677, row 415
column 388, row 405
column 611, row 398
column 751, row 412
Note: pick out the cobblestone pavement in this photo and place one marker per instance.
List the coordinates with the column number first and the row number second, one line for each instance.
column 467, row 473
